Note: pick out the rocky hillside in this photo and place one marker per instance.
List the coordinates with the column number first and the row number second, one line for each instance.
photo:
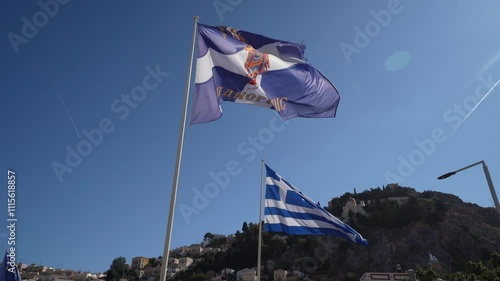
column 403, row 231
column 429, row 222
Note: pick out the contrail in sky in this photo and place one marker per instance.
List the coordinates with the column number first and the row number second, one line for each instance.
column 62, row 102
column 478, row 103
column 489, row 64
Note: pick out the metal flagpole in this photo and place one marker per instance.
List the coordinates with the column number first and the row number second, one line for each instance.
column 260, row 221
column 168, row 235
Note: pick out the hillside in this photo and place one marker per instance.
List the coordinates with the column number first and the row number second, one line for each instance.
column 429, row 222
column 401, row 225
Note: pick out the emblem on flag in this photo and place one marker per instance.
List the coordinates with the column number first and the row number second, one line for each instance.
column 256, row 62
column 242, row 67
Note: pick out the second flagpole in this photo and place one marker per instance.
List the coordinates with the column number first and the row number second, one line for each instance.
column 260, row 220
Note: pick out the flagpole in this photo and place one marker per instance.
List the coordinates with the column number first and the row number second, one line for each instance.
column 260, row 220
column 168, row 235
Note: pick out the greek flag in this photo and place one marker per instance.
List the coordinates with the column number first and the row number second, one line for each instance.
column 433, row 258
column 288, row 210
column 238, row 66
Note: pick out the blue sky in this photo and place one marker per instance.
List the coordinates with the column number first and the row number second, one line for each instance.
column 403, row 92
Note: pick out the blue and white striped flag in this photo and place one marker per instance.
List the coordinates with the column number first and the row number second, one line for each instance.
column 433, row 258
column 10, row 270
column 242, row 67
column 288, row 210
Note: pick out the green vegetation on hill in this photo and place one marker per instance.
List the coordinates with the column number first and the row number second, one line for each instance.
column 388, row 214
column 473, row 271
column 463, row 236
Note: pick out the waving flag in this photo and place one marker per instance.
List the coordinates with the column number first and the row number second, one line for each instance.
column 10, row 271
column 433, row 258
column 242, row 67
column 288, row 210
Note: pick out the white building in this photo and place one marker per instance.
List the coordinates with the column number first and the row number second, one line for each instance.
column 246, row 274
column 227, row 271
column 280, row 275
column 211, row 250
column 175, row 265
column 388, row 276
column 185, row 262
column 152, row 272
column 194, row 250
column 351, row 206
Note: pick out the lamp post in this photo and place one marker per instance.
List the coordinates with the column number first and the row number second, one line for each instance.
column 488, row 179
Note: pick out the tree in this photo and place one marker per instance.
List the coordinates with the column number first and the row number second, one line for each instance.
column 277, row 247
column 208, row 237
column 183, row 275
column 199, row 277
column 117, row 270
column 495, row 260
column 479, row 271
column 153, row 262
column 428, row 274
column 230, row 276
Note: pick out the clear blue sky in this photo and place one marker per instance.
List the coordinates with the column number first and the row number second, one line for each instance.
column 417, row 73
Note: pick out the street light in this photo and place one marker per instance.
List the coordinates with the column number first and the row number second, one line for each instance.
column 488, row 179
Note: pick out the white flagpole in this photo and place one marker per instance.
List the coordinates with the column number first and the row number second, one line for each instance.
column 168, row 235
column 260, row 221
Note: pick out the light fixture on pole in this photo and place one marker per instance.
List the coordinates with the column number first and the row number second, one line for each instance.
column 488, row 179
